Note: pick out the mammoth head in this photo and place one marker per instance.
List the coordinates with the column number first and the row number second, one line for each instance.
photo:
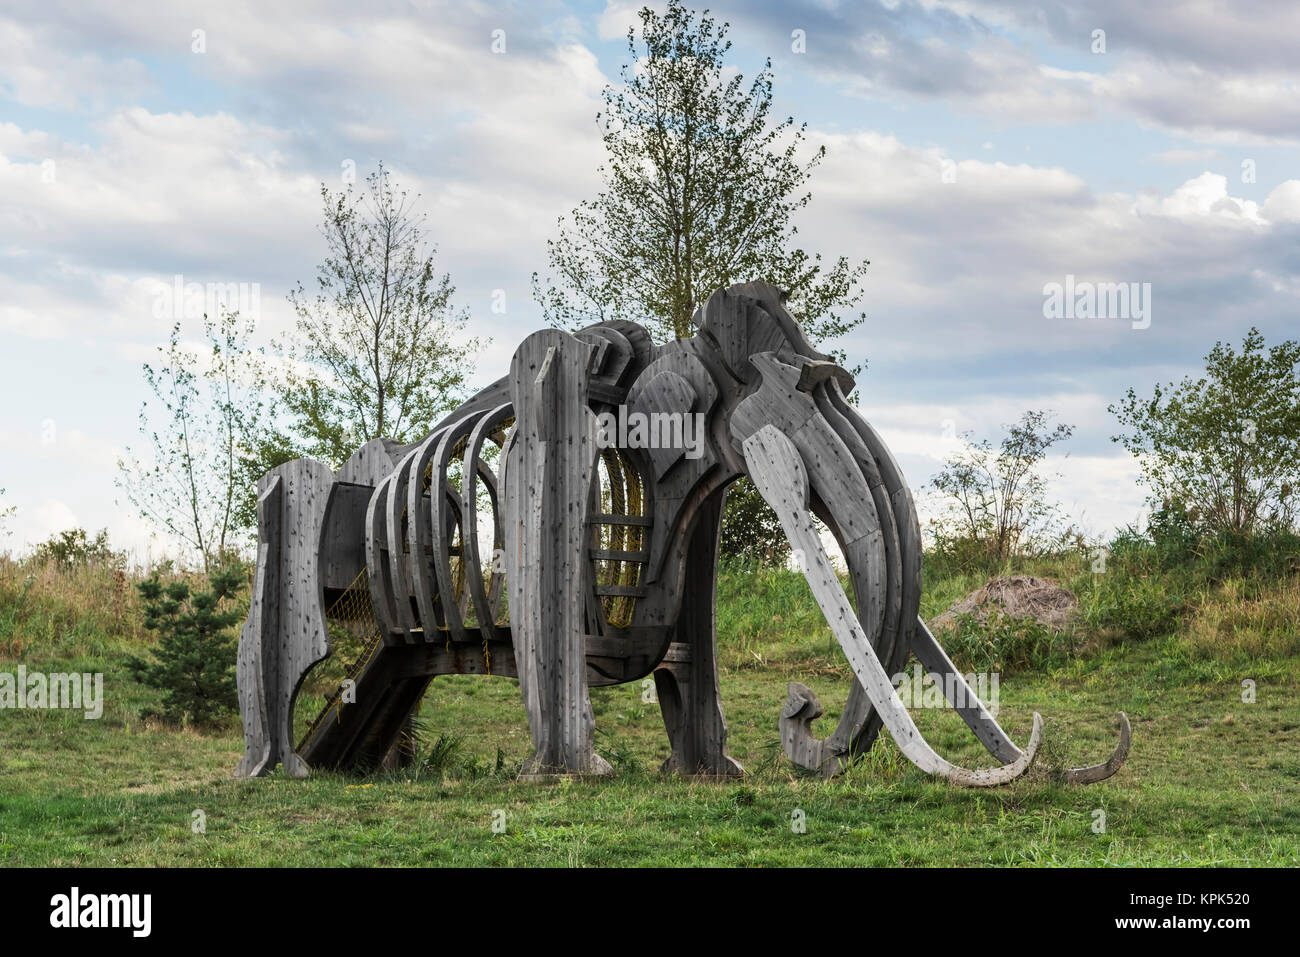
column 809, row 452
column 781, row 418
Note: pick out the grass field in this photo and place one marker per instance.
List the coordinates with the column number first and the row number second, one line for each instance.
column 1211, row 779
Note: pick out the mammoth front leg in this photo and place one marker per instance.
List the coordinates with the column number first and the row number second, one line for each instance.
column 688, row 689
column 548, row 474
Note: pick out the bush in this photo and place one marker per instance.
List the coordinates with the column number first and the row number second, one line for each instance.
column 1271, row 555
column 1138, row 608
column 195, row 657
column 1005, row 644
column 1173, row 543
column 751, row 532
column 75, row 549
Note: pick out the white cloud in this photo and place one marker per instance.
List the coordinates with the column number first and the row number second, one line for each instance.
column 218, row 179
column 958, row 268
column 37, row 71
column 619, row 15
column 1214, row 71
column 1203, row 196
column 1283, row 203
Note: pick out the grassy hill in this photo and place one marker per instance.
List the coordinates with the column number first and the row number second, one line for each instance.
column 1167, row 638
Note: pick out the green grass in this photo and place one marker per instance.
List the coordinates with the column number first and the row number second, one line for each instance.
column 1211, row 780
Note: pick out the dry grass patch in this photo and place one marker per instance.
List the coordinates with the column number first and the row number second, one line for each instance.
column 1231, row 621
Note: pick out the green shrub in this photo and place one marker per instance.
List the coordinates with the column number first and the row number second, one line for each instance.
column 74, row 548
column 1135, row 606
column 195, row 658
column 1005, row 644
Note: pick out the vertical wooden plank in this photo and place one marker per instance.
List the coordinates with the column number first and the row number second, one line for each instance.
column 548, row 480
column 260, row 756
column 286, row 633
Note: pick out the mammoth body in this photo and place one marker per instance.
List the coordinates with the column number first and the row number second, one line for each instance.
column 596, row 471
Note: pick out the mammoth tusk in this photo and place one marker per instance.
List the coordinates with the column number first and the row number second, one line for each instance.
column 777, row 471
column 977, row 718
column 1100, row 772
column 959, row 694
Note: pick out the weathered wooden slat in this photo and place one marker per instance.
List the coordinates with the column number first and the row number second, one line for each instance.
column 644, row 521
column 371, row 464
column 687, row 681
column 445, row 516
column 617, row 555
column 286, row 634
column 400, row 569
column 622, row 591
column 422, row 548
column 377, row 564
column 548, row 478
column 260, row 752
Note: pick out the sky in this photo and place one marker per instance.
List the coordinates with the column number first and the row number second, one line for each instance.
column 977, row 153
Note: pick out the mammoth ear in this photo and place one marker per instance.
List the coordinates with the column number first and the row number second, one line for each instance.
column 674, row 387
column 777, row 399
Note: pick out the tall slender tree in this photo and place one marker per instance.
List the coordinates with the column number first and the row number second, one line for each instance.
column 701, row 189
column 702, row 186
column 204, row 406
column 378, row 350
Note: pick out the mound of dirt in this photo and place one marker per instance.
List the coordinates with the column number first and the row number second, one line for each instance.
column 1017, row 596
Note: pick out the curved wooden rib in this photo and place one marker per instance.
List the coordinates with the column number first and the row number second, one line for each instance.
column 779, row 473
column 441, row 523
column 473, row 468
column 399, row 567
column 378, row 568
column 423, row 583
column 422, row 557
